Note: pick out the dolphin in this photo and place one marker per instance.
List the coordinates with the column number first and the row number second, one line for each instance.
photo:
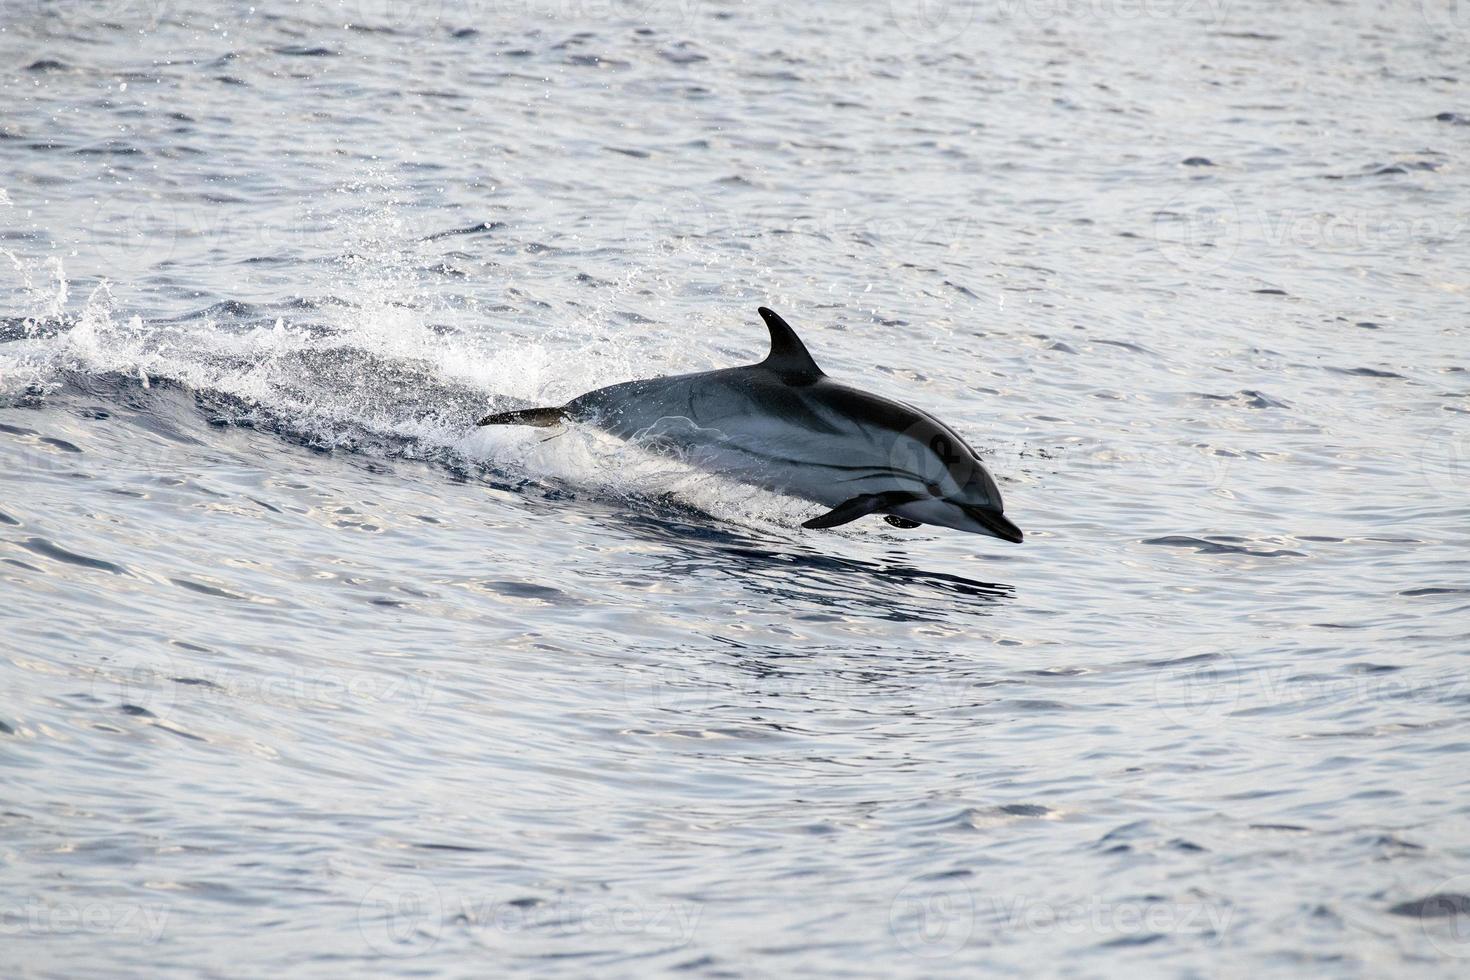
column 785, row 426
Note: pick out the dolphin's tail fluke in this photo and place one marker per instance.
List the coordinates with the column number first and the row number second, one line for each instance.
column 541, row 417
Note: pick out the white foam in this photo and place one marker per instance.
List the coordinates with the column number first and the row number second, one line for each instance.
column 387, row 325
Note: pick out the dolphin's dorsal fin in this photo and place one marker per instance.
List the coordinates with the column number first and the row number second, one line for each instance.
column 788, row 354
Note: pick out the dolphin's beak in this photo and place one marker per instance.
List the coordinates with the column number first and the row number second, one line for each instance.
column 995, row 523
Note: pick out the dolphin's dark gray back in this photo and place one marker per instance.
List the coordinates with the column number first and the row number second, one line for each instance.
column 818, row 422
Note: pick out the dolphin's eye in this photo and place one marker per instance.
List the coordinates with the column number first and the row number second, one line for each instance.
column 934, row 489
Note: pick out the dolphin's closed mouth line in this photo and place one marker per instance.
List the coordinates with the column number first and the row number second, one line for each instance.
column 786, row 401
column 996, row 523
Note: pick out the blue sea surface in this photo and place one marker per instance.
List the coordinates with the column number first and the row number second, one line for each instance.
column 303, row 674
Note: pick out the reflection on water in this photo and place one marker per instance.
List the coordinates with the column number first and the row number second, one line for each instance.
column 290, row 648
column 889, row 588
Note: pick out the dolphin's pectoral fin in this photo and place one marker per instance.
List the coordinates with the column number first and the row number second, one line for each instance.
column 541, row 417
column 860, row 506
column 846, row 512
column 902, row 522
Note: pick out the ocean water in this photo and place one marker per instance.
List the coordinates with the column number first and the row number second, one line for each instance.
column 304, row 674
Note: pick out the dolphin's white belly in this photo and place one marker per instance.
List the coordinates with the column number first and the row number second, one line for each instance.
column 827, row 468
